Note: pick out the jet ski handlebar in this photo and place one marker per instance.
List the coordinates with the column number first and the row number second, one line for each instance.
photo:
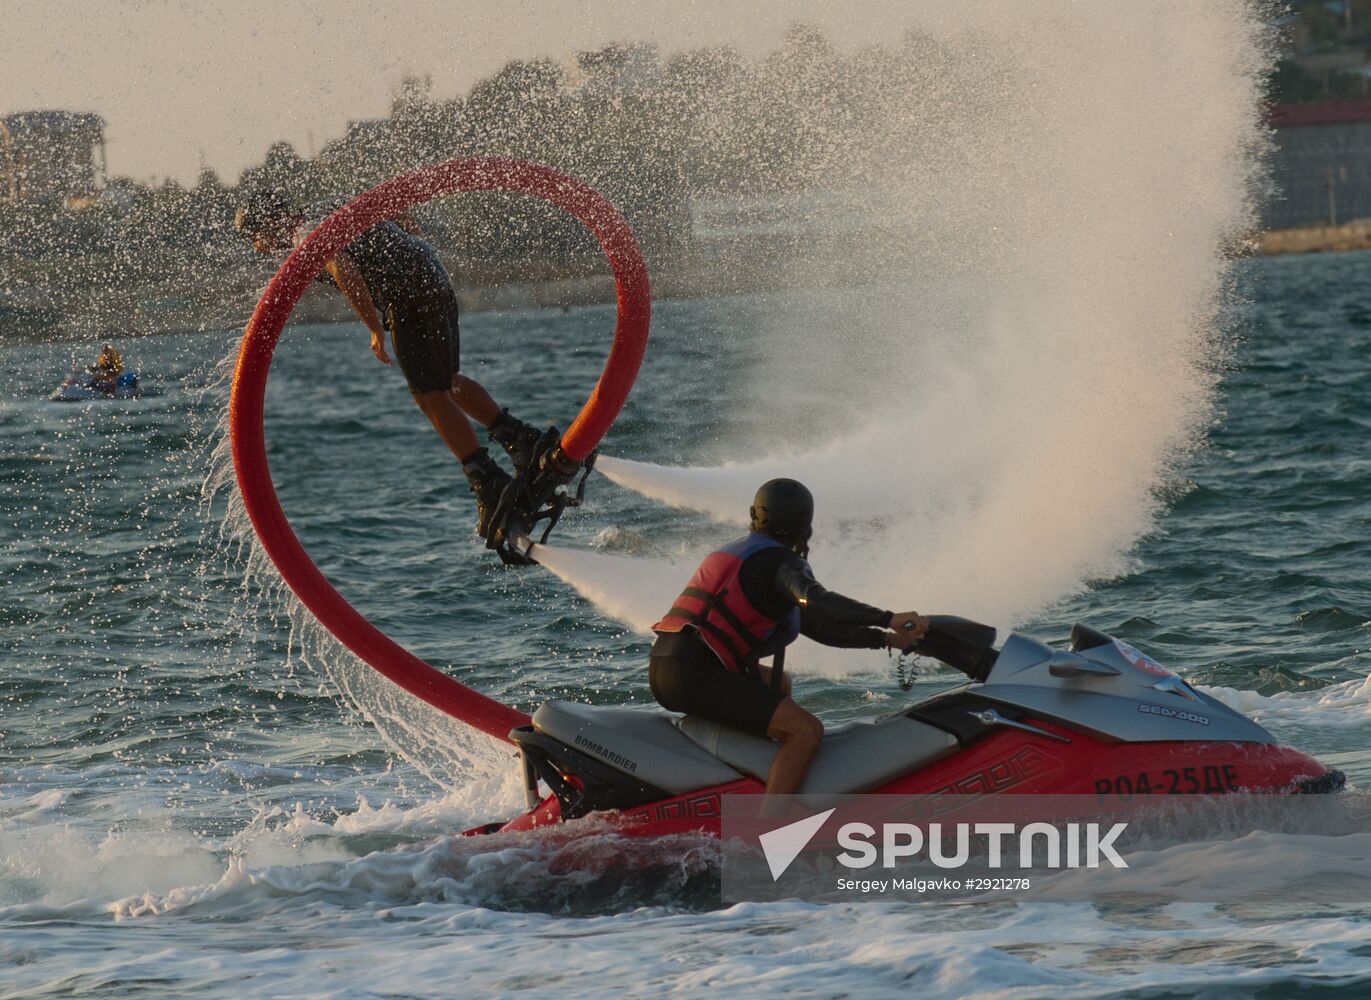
column 959, row 642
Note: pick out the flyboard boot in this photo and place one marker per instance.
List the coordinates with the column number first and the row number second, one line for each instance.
column 541, row 469
column 537, row 494
column 519, row 440
column 488, row 482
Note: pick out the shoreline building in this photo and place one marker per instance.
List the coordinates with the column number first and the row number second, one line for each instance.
column 52, row 157
column 1321, row 164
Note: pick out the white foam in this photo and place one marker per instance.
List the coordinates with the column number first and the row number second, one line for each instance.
column 987, row 436
column 57, row 863
column 635, row 591
column 450, row 914
column 1344, row 704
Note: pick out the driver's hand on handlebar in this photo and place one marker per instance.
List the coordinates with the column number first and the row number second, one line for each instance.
column 907, row 627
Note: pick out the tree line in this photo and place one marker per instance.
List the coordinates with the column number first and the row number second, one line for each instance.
column 654, row 134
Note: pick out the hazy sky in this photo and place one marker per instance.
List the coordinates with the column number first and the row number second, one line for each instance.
column 183, row 83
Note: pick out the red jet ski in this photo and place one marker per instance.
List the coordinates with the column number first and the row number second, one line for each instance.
column 1098, row 718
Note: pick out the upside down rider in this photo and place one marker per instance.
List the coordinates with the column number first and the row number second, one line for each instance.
column 748, row 600
column 394, row 281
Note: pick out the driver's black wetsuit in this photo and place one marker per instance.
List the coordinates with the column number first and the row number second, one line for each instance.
column 686, row 676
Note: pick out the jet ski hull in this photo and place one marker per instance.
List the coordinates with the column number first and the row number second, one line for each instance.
column 80, row 386
column 1011, row 763
column 1100, row 720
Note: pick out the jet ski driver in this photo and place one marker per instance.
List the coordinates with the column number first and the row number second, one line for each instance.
column 394, row 281
column 748, row 600
column 108, row 366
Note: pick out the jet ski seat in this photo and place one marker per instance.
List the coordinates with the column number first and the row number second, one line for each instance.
column 853, row 758
column 684, row 754
column 638, row 742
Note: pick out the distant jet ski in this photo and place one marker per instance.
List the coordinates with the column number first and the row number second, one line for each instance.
column 83, row 384
column 1099, row 718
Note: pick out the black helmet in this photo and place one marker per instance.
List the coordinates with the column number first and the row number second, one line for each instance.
column 263, row 212
column 784, row 510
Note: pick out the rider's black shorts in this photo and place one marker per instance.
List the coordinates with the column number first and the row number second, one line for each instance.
column 696, row 686
column 427, row 343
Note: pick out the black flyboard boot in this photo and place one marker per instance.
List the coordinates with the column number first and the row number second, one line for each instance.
column 518, row 439
column 488, row 482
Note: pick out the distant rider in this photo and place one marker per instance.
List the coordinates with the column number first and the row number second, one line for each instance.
column 108, row 366
column 393, row 280
column 748, row 600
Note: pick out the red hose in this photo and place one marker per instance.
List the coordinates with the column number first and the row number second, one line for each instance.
column 264, row 329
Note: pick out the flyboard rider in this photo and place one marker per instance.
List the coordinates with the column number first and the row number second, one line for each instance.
column 394, row 281
column 751, row 599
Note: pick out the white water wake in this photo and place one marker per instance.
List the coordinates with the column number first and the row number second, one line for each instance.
column 634, row 591
column 987, row 433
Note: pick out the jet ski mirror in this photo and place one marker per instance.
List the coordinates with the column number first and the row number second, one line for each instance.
column 1064, row 664
column 1174, row 685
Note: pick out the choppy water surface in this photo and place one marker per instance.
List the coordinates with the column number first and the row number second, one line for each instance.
column 188, row 805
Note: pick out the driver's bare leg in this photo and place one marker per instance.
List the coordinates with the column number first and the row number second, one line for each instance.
column 799, row 733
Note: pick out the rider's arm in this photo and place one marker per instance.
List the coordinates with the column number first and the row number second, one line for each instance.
column 354, row 288
column 843, row 636
column 795, row 580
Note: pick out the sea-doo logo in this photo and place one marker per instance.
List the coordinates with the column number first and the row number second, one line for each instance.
column 1173, row 713
column 617, row 759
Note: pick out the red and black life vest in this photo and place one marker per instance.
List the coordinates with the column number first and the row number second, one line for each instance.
column 713, row 604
